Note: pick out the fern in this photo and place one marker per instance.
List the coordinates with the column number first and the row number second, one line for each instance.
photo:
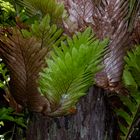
column 6, row 114
column 132, row 81
column 43, row 7
column 48, row 33
column 28, row 48
column 70, row 71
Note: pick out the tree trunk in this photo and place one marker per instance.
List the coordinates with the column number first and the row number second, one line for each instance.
column 93, row 121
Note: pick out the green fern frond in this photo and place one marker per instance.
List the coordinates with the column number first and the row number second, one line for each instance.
column 43, row 7
column 48, row 33
column 71, row 70
column 6, row 114
column 133, row 64
column 131, row 117
column 132, row 81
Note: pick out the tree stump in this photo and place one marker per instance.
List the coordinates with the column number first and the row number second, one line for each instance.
column 93, row 121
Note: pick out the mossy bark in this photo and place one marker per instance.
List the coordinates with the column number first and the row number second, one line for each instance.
column 93, row 121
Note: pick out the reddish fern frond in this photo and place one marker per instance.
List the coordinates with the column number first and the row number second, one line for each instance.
column 79, row 14
column 111, row 19
column 24, row 58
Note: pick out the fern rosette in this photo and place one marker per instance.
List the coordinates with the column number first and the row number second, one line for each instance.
column 70, row 71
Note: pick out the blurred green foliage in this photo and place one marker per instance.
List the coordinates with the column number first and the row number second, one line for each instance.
column 5, row 77
column 7, row 13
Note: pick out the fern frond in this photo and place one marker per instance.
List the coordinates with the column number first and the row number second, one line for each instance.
column 132, row 82
column 71, row 70
column 133, row 64
column 6, row 114
column 24, row 54
column 114, row 19
column 43, row 7
column 47, row 33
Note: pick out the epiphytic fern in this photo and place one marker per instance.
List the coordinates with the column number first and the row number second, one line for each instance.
column 109, row 18
column 70, row 71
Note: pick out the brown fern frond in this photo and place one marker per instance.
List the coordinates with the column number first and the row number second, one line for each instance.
column 24, row 58
column 79, row 15
column 111, row 20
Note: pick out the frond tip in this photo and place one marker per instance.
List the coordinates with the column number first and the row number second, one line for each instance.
column 70, row 71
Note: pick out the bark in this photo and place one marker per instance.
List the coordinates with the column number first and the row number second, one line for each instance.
column 93, row 121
